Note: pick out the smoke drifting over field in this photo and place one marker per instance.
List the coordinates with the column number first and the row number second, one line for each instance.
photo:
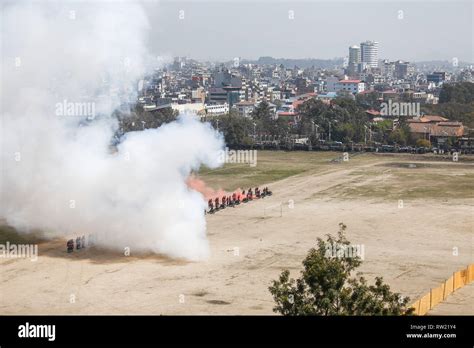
column 208, row 192
column 61, row 177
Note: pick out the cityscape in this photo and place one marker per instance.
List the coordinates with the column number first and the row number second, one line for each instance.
column 383, row 88
column 236, row 171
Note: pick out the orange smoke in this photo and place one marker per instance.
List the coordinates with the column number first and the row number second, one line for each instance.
column 208, row 192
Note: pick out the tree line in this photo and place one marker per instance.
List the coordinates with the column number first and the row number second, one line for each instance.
column 344, row 120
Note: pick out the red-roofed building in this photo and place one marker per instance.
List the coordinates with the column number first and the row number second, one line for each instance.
column 390, row 94
column 245, row 108
column 289, row 110
column 433, row 118
column 447, row 129
column 435, row 127
column 290, row 116
column 372, row 113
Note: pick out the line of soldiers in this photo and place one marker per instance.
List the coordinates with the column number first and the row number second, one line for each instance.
column 236, row 199
column 80, row 244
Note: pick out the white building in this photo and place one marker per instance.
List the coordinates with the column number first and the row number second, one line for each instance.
column 370, row 53
column 245, row 108
column 189, row 107
column 217, row 109
column 352, row 86
column 276, row 94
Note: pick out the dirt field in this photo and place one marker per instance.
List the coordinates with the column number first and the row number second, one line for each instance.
column 409, row 212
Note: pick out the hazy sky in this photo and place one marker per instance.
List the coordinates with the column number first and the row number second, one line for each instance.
column 218, row 30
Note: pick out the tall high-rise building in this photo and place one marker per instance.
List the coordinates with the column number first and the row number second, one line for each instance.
column 370, row 53
column 354, row 59
column 354, row 55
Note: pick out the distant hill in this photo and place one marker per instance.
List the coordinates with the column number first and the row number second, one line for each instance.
column 442, row 65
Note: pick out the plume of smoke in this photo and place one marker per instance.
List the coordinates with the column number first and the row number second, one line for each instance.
column 61, row 177
column 200, row 186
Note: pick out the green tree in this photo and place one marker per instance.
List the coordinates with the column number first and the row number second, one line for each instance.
column 462, row 112
column 267, row 124
column 401, row 135
column 381, row 131
column 345, row 117
column 398, row 136
column 326, row 288
column 237, row 130
column 462, row 92
column 262, row 113
column 344, row 132
column 312, row 112
column 368, row 100
column 456, row 102
column 138, row 119
column 423, row 143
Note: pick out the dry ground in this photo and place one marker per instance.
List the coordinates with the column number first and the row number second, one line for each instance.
column 411, row 245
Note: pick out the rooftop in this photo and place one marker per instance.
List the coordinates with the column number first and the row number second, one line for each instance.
column 350, row 81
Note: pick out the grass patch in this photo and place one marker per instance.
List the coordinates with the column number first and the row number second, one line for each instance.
column 10, row 234
column 419, row 183
column 273, row 166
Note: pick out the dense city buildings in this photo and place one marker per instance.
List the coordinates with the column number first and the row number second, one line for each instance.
column 212, row 89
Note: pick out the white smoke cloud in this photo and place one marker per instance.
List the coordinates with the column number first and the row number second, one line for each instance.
column 63, row 178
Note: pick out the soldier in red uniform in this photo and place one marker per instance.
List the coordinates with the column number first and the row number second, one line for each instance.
column 210, row 205
column 224, row 199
